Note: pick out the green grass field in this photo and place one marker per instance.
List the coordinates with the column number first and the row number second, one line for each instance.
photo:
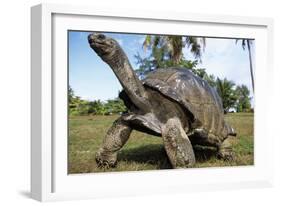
column 146, row 152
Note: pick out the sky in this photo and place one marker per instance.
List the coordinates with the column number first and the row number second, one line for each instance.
column 92, row 79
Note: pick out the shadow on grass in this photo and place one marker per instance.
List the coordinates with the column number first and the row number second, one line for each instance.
column 203, row 154
column 155, row 154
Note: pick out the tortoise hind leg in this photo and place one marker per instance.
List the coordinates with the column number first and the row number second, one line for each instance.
column 114, row 140
column 225, row 151
column 177, row 144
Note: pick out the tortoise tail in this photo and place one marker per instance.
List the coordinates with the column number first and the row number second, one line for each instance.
column 231, row 131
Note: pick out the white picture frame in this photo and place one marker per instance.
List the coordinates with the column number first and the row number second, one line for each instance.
column 49, row 178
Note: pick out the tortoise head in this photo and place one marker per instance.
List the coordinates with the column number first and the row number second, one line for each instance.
column 110, row 52
column 104, row 46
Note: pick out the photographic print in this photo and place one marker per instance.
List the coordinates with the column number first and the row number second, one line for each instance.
column 148, row 102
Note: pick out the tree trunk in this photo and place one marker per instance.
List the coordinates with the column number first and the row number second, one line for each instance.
column 251, row 65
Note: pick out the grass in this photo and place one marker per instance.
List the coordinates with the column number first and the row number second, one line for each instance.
column 146, row 152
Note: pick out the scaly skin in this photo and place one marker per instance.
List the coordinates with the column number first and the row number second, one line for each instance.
column 114, row 140
column 177, row 144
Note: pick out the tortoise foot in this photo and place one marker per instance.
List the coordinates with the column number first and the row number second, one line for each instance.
column 225, row 151
column 226, row 156
column 106, row 159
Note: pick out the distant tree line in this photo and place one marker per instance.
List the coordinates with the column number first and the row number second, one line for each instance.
column 78, row 106
column 234, row 97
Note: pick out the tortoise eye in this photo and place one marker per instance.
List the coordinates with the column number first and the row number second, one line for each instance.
column 101, row 36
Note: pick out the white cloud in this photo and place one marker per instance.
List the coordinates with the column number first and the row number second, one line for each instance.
column 120, row 41
column 219, row 46
column 226, row 59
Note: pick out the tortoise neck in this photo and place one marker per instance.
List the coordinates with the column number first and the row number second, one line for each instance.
column 134, row 88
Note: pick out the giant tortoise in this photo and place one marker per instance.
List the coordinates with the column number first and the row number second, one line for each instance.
column 172, row 103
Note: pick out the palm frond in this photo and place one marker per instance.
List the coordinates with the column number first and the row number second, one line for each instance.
column 147, row 42
column 195, row 46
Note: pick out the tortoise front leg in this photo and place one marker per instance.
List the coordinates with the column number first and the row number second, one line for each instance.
column 114, row 140
column 177, row 144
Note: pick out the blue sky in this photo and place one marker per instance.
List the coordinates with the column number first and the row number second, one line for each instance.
column 92, row 79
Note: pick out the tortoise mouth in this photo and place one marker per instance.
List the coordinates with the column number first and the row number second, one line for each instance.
column 95, row 42
column 99, row 44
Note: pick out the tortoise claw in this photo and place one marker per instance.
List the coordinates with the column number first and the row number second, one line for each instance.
column 226, row 155
column 106, row 160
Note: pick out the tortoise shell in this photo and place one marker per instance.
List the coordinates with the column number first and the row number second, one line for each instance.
column 194, row 94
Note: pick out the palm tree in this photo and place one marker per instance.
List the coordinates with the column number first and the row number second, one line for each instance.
column 248, row 42
column 227, row 93
column 170, row 47
column 243, row 98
